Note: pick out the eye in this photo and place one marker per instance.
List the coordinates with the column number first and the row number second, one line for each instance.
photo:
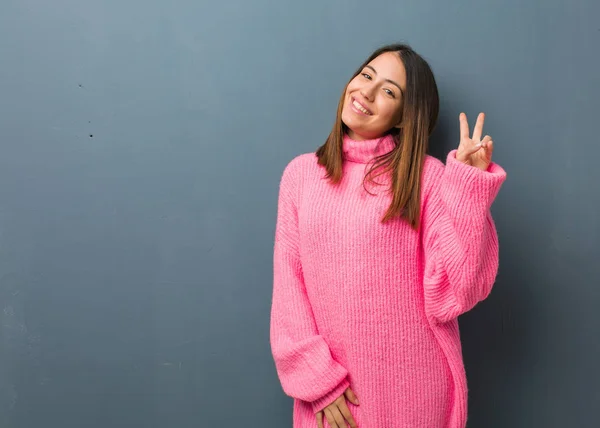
column 390, row 93
column 366, row 76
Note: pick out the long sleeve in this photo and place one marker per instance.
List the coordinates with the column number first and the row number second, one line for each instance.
column 303, row 359
column 460, row 241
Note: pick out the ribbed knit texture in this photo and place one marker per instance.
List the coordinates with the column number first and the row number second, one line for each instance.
column 373, row 305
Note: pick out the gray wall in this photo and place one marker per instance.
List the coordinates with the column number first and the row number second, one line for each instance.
column 141, row 146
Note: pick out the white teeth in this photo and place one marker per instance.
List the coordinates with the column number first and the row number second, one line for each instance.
column 361, row 108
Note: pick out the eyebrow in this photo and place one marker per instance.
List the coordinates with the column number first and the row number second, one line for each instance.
column 387, row 80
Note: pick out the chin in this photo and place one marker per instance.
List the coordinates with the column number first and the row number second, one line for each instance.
column 352, row 124
column 358, row 134
column 357, row 128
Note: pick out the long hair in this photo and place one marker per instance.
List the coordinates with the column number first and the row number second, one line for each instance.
column 405, row 162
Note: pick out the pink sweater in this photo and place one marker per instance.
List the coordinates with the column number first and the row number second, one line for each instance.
column 374, row 306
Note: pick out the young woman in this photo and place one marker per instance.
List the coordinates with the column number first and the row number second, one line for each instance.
column 379, row 248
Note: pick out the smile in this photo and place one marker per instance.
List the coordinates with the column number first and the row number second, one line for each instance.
column 360, row 108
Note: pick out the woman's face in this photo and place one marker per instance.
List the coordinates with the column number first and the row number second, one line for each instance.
column 373, row 99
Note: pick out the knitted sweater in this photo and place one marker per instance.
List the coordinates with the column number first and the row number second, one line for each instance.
column 373, row 306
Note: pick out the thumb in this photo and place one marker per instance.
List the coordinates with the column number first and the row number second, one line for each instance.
column 349, row 394
column 471, row 149
column 320, row 419
column 464, row 152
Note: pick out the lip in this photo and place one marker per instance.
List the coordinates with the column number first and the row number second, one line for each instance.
column 352, row 99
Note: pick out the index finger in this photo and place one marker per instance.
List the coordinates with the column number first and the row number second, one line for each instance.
column 347, row 414
column 464, row 126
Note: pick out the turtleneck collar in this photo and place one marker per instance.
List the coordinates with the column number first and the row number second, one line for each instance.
column 364, row 151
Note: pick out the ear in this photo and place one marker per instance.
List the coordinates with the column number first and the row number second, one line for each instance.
column 400, row 125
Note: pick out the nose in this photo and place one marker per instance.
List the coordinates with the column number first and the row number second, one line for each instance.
column 368, row 91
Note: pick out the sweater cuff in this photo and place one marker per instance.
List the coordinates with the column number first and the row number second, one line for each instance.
column 480, row 187
column 330, row 397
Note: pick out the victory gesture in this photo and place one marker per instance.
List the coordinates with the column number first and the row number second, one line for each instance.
column 474, row 151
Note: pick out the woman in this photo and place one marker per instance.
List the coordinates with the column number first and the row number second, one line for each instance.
column 379, row 248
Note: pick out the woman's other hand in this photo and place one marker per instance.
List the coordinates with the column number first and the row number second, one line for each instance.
column 337, row 413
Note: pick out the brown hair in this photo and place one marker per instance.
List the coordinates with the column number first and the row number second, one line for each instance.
column 420, row 109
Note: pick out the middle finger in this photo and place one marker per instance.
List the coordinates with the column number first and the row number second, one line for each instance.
column 347, row 415
column 331, row 419
column 339, row 418
column 478, row 128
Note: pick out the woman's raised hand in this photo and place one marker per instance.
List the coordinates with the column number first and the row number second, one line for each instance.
column 473, row 150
